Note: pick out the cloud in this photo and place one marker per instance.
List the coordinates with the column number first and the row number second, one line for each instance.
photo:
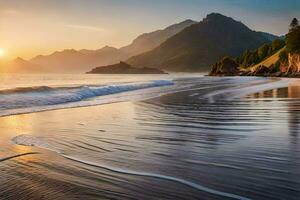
column 86, row 28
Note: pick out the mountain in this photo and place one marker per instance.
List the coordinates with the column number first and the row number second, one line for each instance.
column 19, row 65
column 200, row 45
column 149, row 41
column 70, row 60
column 60, row 60
column 269, row 36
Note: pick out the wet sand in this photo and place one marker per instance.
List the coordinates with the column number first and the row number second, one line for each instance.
column 176, row 146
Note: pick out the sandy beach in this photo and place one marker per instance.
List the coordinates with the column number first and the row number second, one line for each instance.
column 178, row 145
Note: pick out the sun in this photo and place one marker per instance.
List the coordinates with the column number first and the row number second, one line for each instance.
column 2, row 52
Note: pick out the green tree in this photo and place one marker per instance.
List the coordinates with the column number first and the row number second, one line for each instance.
column 255, row 57
column 294, row 24
column 293, row 37
column 276, row 45
column 277, row 66
column 263, row 51
column 244, row 58
column 283, row 57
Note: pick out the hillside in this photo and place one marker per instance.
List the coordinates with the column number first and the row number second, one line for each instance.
column 281, row 58
column 269, row 61
column 265, row 59
column 199, row 46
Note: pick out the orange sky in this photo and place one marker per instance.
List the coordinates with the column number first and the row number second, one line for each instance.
column 26, row 34
column 32, row 27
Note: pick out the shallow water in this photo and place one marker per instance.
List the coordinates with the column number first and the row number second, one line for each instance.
column 201, row 138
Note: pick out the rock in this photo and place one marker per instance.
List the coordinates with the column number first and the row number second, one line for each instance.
column 293, row 63
column 124, row 68
column 226, row 67
column 245, row 73
column 277, row 74
column 261, row 71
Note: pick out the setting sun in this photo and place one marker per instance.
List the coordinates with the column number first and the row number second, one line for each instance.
column 2, row 52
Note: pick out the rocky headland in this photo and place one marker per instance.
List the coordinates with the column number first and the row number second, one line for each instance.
column 281, row 58
column 229, row 67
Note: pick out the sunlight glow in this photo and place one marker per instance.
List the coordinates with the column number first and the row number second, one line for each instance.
column 2, row 52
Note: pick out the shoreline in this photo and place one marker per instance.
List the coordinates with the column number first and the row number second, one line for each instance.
column 115, row 98
column 265, row 76
column 181, row 135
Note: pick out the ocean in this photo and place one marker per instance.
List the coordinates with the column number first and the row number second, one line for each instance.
column 179, row 136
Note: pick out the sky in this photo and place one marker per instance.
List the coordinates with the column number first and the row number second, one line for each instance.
column 32, row 27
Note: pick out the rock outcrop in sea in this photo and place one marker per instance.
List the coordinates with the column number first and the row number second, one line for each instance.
column 226, row 67
column 124, row 68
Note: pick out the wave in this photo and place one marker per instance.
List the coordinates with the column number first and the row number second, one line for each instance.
column 105, row 89
column 16, row 101
column 36, row 99
column 28, row 140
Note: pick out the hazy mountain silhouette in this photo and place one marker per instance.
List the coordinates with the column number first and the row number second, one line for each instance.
column 199, row 46
column 269, row 36
column 186, row 46
column 71, row 60
column 19, row 65
column 78, row 61
column 149, row 41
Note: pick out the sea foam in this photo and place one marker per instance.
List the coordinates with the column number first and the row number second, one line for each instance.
column 28, row 140
column 33, row 99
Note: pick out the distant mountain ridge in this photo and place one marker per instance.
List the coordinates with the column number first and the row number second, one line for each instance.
column 71, row 60
column 20, row 65
column 185, row 46
column 269, row 36
column 200, row 45
column 149, row 41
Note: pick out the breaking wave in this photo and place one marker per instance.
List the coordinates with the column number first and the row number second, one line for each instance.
column 33, row 99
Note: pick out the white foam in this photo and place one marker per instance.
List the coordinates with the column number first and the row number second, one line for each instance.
column 238, row 92
column 159, row 176
column 28, row 140
column 25, row 100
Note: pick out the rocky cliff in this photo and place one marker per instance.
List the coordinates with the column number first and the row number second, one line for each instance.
column 293, row 63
